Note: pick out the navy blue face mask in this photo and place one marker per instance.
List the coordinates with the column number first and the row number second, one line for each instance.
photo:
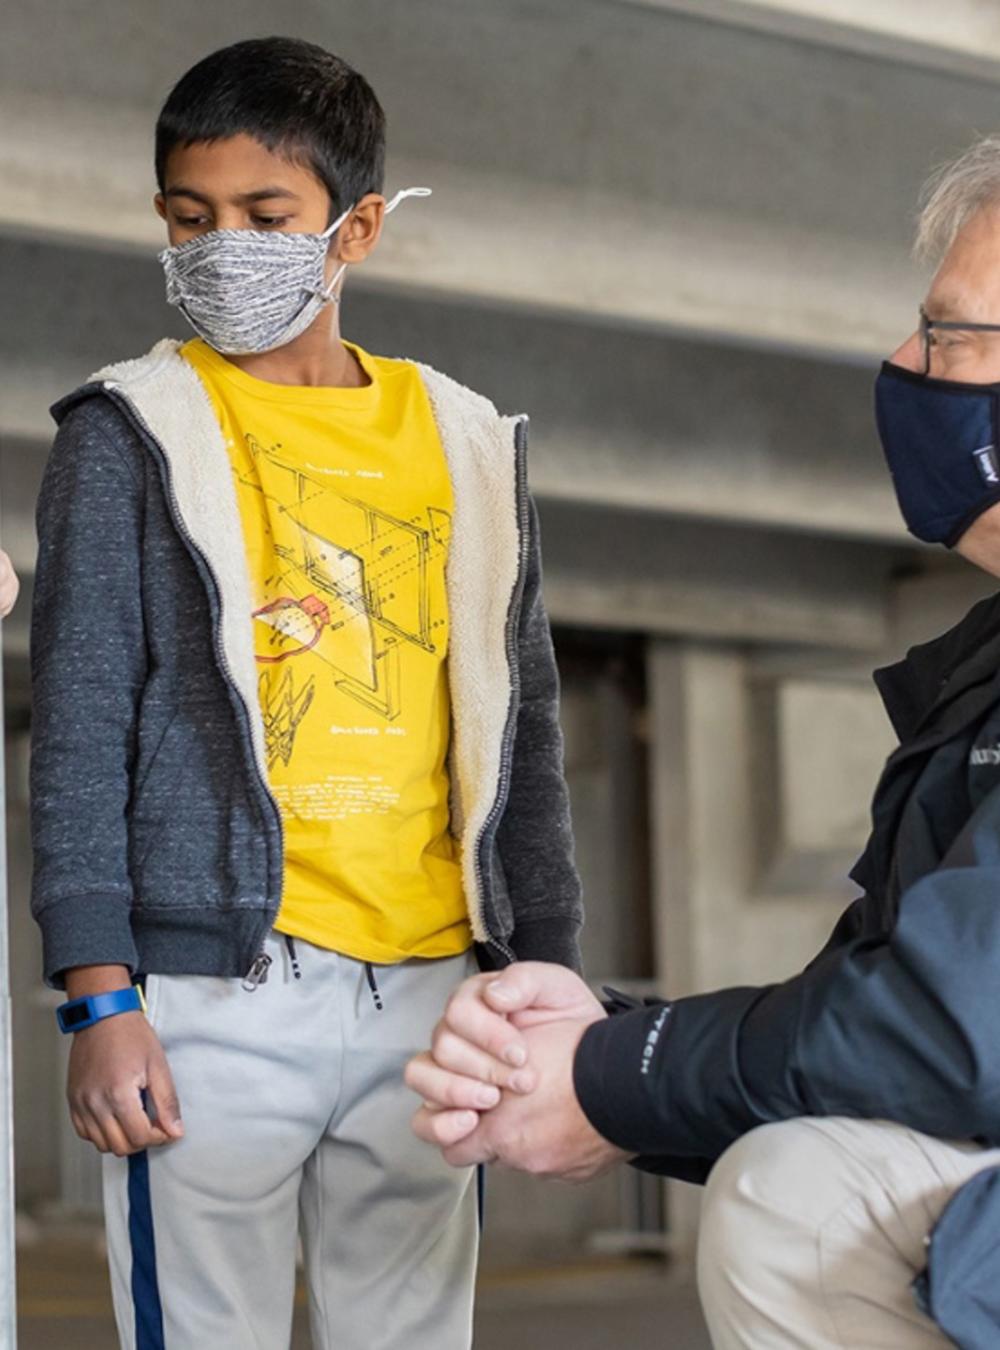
column 940, row 440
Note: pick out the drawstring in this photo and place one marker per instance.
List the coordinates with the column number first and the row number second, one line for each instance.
column 297, row 971
column 290, row 944
column 376, row 996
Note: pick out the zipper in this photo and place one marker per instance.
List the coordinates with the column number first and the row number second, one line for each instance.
column 253, row 978
column 513, row 616
column 506, row 953
column 114, row 392
column 257, row 974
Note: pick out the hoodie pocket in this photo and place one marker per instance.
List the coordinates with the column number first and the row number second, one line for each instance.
column 194, row 838
column 148, row 797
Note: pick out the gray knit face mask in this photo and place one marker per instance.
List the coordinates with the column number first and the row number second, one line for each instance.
column 249, row 291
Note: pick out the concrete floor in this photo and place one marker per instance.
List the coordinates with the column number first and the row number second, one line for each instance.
column 63, row 1302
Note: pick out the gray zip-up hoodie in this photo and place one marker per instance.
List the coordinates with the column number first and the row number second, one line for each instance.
column 157, row 842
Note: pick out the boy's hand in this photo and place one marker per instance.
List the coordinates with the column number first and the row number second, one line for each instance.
column 110, row 1065
column 9, row 585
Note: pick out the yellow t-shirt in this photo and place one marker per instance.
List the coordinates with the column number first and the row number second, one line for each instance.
column 346, row 504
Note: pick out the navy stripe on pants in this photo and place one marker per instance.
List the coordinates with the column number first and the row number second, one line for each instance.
column 145, row 1288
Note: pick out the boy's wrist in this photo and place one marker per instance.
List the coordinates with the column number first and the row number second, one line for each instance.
column 83, row 981
column 80, row 1013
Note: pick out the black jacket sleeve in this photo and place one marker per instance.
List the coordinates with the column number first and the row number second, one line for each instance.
column 88, row 659
column 535, row 838
column 900, row 1026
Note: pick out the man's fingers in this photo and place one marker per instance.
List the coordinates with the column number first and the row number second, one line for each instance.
column 453, row 1052
column 470, row 1151
column 538, row 986
column 448, row 1090
column 468, row 1017
column 443, row 1128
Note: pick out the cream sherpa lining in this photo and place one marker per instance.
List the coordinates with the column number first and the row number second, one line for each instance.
column 483, row 564
column 483, row 567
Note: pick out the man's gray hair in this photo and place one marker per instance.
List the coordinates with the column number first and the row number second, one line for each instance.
column 953, row 194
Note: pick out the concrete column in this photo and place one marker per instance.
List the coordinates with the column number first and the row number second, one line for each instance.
column 699, row 806
column 698, row 800
column 760, row 778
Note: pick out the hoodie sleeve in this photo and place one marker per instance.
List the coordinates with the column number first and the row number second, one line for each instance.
column 535, row 837
column 900, row 1026
column 88, row 661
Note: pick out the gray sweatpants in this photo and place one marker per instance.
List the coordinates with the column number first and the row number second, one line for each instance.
column 296, row 1119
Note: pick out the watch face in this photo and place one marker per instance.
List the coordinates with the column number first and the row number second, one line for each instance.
column 75, row 1014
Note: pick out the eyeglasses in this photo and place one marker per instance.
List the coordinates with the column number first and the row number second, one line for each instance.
column 927, row 326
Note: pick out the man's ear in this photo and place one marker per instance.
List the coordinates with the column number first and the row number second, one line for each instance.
column 360, row 232
column 160, row 203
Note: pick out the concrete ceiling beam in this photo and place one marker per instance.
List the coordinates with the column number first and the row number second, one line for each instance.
column 961, row 37
column 666, row 268
column 629, row 165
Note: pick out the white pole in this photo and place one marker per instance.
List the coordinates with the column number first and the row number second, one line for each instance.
column 8, row 1316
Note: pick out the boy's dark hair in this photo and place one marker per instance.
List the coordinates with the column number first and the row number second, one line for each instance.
column 293, row 97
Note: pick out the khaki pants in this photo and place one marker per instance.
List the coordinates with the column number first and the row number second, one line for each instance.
column 813, row 1229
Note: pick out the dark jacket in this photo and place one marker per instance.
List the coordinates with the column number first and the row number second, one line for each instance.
column 897, row 1018
column 157, row 842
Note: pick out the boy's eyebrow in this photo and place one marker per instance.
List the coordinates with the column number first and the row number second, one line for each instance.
column 258, row 194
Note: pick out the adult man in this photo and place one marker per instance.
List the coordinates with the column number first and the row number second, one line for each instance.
column 851, row 1112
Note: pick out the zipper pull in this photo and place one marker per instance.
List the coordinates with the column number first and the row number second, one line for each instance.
column 257, row 974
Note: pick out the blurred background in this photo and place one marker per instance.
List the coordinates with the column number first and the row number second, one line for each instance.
column 675, row 232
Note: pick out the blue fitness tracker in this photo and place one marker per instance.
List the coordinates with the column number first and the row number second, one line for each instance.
column 80, row 1013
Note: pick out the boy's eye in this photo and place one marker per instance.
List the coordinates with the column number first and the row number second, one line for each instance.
column 270, row 222
column 191, row 222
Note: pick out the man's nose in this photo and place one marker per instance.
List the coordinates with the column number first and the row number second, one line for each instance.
column 910, row 355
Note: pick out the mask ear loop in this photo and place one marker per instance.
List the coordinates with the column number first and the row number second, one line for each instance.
column 328, row 291
column 390, row 206
column 401, row 196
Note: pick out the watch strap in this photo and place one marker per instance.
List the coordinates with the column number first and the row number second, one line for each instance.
column 80, row 1013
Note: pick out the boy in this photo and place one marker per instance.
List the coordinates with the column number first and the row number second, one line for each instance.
column 296, row 745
